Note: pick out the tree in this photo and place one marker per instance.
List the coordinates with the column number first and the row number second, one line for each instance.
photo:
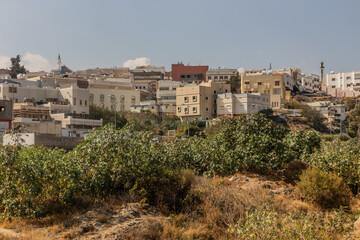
column 353, row 121
column 16, row 68
column 235, row 83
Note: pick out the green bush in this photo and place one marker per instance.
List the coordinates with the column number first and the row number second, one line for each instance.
column 324, row 189
column 293, row 170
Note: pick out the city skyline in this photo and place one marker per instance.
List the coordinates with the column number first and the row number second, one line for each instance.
column 247, row 34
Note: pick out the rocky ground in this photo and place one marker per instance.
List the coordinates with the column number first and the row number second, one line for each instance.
column 130, row 220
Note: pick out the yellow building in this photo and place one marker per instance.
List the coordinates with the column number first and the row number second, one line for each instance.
column 199, row 101
column 266, row 82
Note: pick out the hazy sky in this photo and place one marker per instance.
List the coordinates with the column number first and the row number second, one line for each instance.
column 231, row 33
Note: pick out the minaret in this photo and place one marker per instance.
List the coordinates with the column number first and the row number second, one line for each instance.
column 270, row 67
column 59, row 63
column 322, row 73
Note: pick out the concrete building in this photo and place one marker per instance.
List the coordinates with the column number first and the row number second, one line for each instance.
column 146, row 106
column 221, row 74
column 188, row 74
column 166, row 96
column 265, row 81
column 199, row 101
column 343, row 84
column 329, row 110
column 114, row 98
column 308, row 82
column 247, row 103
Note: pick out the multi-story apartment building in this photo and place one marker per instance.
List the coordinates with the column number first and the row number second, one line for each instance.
column 166, row 96
column 246, row 103
column 308, row 82
column 343, row 80
column 267, row 82
column 188, row 74
column 221, row 74
column 199, row 101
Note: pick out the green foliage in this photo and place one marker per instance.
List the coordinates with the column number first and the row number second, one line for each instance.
column 235, row 83
column 15, row 67
column 293, row 170
column 327, row 190
column 313, row 117
column 352, row 121
column 191, row 130
column 107, row 116
column 350, row 102
column 342, row 158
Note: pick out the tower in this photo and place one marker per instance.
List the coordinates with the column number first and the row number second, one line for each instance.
column 322, row 74
column 59, row 63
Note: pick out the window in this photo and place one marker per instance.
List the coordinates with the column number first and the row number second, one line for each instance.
column 122, row 98
column 277, row 83
column 225, row 90
column 194, row 109
column 348, row 78
column 247, row 83
column 179, row 109
column 102, row 97
column 186, row 110
column 221, row 77
column 209, row 77
column 268, row 91
column 74, row 100
column 91, row 98
column 194, row 98
column 174, row 88
column 182, row 76
column 133, row 99
column 188, row 76
column 276, row 91
column 12, row 89
column 348, row 85
column 216, row 77
column 333, row 79
column 206, row 109
column 206, row 98
column 226, row 77
column 333, row 86
column 80, row 102
column 214, row 91
column 228, row 106
column 259, row 83
column 85, row 103
column 112, row 99
column 186, row 99
column 164, row 88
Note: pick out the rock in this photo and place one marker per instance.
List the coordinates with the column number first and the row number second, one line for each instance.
column 357, row 226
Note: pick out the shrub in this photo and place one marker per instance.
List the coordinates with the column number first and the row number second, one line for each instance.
column 293, row 171
column 324, row 189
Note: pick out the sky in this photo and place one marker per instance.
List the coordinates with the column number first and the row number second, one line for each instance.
column 245, row 34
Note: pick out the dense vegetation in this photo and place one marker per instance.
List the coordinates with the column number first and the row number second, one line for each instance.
column 35, row 181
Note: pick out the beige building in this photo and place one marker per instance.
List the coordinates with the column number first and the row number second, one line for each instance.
column 113, row 98
column 199, row 101
column 235, row 104
column 266, row 82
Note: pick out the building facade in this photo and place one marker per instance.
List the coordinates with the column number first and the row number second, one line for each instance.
column 221, row 74
column 166, row 96
column 247, row 103
column 199, row 101
column 309, row 82
column 266, row 82
column 188, row 74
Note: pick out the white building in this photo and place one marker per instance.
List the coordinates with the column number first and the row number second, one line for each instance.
column 344, row 80
column 149, row 105
column 309, row 82
column 166, row 96
column 222, row 74
column 235, row 104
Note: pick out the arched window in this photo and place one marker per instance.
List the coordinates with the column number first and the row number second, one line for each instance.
column 112, row 99
column 122, row 98
column 133, row 99
column 102, row 97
